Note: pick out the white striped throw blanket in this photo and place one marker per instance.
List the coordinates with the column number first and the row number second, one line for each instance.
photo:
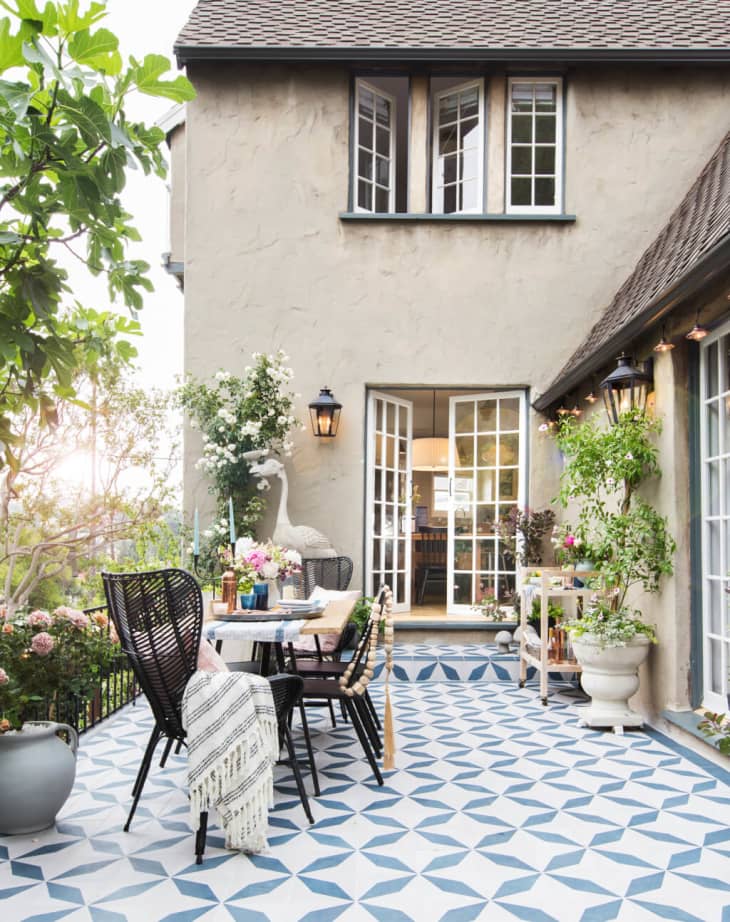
column 233, row 744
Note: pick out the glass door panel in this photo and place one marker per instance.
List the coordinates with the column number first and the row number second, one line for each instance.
column 715, row 460
column 487, row 457
column 388, row 497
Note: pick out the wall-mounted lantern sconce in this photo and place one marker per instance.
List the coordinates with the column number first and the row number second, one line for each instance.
column 325, row 414
column 626, row 388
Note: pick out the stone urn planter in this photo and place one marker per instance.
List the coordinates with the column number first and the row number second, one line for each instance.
column 37, row 770
column 610, row 676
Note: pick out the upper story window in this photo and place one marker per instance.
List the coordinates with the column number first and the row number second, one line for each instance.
column 534, row 146
column 380, row 144
column 450, row 166
column 458, row 149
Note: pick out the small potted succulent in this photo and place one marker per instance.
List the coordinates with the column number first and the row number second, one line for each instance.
column 45, row 660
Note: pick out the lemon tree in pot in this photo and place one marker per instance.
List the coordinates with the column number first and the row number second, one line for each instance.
column 604, row 469
column 45, row 660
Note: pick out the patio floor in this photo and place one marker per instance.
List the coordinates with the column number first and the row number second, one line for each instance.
column 499, row 809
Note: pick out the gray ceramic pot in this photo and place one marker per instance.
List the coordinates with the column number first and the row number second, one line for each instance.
column 37, row 770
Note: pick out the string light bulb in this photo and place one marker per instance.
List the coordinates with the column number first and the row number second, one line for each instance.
column 698, row 332
column 664, row 345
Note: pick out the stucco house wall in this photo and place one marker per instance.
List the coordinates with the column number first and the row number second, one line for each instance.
column 268, row 262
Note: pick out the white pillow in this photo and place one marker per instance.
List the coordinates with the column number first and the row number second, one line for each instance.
column 331, row 595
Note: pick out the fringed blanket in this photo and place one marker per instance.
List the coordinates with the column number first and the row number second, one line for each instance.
column 233, row 743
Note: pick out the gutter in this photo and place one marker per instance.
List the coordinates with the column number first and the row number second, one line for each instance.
column 537, row 56
column 711, row 265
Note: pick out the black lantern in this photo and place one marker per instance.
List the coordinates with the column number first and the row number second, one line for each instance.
column 325, row 414
column 626, row 388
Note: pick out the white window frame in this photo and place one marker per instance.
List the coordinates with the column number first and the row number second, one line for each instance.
column 557, row 208
column 360, row 84
column 482, row 114
column 712, row 700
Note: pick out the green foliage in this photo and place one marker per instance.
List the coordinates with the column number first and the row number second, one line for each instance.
column 555, row 611
column 65, row 146
column 47, row 658
column 361, row 612
column 612, row 628
column 716, row 727
column 237, row 415
column 522, row 530
column 57, row 527
column 603, row 469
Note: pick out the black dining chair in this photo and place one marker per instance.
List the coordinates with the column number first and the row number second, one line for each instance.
column 326, row 572
column 430, row 552
column 357, row 704
column 158, row 616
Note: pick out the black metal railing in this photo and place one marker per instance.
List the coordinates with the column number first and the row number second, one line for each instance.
column 117, row 687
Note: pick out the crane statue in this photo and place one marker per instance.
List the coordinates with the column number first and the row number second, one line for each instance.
column 308, row 541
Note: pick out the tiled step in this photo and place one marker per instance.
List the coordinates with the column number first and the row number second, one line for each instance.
column 478, row 662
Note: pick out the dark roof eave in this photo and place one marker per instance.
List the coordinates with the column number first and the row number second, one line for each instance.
column 200, row 52
column 717, row 259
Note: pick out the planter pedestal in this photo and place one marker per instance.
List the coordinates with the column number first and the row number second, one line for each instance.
column 610, row 676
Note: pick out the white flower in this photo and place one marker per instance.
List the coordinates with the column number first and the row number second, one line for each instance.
column 610, row 481
column 243, row 545
column 222, row 375
column 270, row 570
column 282, row 420
column 270, row 411
column 543, row 427
column 292, row 556
column 263, row 485
column 207, row 533
column 629, row 456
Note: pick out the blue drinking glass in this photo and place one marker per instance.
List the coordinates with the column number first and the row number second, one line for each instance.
column 261, row 591
column 248, row 600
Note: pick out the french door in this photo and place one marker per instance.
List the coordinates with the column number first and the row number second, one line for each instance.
column 715, row 454
column 388, row 497
column 487, row 477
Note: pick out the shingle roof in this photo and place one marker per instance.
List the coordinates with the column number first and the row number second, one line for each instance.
column 486, row 25
column 699, row 224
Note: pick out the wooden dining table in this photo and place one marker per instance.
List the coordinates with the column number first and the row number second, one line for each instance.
column 274, row 634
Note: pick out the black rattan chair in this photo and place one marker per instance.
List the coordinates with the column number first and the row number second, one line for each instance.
column 359, row 706
column 327, row 572
column 158, row 616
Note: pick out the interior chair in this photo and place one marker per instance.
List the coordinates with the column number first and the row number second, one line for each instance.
column 327, row 572
column 358, row 705
column 430, row 553
column 158, row 616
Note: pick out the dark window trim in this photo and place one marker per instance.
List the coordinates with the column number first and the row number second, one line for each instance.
column 695, row 526
column 485, row 218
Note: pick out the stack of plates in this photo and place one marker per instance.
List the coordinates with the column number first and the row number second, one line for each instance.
column 301, row 606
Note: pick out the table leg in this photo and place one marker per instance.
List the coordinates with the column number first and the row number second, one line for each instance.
column 265, row 658
column 218, row 646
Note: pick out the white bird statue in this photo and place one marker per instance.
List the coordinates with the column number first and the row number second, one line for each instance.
column 308, row 541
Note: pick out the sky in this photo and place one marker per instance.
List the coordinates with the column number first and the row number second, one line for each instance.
column 144, row 27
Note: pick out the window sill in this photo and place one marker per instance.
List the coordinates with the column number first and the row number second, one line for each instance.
column 688, row 721
column 402, row 217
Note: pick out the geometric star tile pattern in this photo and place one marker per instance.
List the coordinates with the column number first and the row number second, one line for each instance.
column 420, row 662
column 499, row 809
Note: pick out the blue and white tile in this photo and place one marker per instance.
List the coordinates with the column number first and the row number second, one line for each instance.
column 499, row 809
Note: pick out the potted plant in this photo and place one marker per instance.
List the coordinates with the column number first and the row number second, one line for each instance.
column 604, row 469
column 266, row 563
column 522, row 531
column 45, row 660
